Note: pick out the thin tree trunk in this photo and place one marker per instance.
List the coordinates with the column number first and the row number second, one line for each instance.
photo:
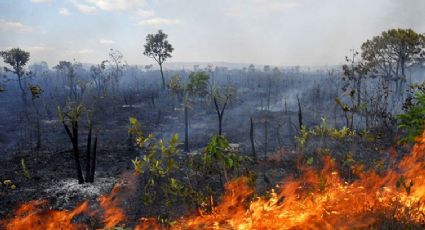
column 88, row 160
column 300, row 114
column 265, row 152
column 266, row 138
column 23, row 94
column 220, row 116
column 162, row 76
column 93, row 161
column 76, row 152
column 251, row 137
column 186, row 130
column 37, row 114
column 220, row 130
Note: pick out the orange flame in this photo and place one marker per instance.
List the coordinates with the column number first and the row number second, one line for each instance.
column 34, row 216
column 324, row 201
column 316, row 200
column 113, row 215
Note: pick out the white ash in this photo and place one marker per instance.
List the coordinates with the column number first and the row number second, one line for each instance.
column 69, row 188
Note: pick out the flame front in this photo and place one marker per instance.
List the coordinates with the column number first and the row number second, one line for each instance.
column 315, row 200
column 113, row 215
column 324, row 201
column 33, row 215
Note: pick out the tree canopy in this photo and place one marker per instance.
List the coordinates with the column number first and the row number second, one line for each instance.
column 16, row 58
column 198, row 84
column 158, row 48
column 394, row 50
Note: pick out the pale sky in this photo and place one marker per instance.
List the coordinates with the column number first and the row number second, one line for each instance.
column 276, row 32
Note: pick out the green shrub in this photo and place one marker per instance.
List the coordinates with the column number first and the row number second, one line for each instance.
column 412, row 122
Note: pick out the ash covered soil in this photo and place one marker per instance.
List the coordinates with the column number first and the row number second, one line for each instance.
column 52, row 177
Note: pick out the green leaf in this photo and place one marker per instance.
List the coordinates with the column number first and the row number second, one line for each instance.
column 310, row 161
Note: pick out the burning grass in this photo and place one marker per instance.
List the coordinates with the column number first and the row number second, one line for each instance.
column 315, row 200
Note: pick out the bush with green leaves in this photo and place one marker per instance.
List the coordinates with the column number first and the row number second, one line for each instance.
column 220, row 157
column 198, row 84
column 175, row 85
column 170, row 177
column 322, row 130
column 158, row 164
column 412, row 122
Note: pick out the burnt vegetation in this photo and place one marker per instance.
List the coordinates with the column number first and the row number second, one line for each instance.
column 71, row 131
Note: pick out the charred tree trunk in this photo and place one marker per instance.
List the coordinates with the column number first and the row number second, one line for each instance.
column 37, row 125
column 220, row 114
column 88, row 160
column 266, row 179
column 403, row 75
column 358, row 86
column 93, row 161
column 162, row 76
column 77, row 153
column 153, row 100
column 266, row 138
column 23, row 94
column 300, row 114
column 220, row 129
column 74, row 140
column 186, row 130
column 251, row 137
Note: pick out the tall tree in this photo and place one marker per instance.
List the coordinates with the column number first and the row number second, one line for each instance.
column 16, row 58
column 392, row 52
column 116, row 60
column 158, row 48
column 100, row 78
column 354, row 73
column 222, row 98
column 68, row 70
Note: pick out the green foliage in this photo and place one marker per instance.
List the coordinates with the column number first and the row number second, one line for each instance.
column 136, row 130
column 344, row 107
column 367, row 136
column 25, row 169
column 71, row 112
column 16, row 58
column 198, row 84
column 175, row 85
column 323, row 151
column 157, row 47
column 302, row 137
column 310, row 161
column 322, row 130
column 349, row 160
column 354, row 108
column 9, row 184
column 218, row 151
column 159, row 166
column 399, row 46
column 36, row 91
column 162, row 167
column 413, row 120
column 138, row 165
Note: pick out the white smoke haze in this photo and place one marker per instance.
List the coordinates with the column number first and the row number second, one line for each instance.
column 282, row 33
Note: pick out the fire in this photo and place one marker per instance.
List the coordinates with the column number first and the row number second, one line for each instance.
column 315, row 200
column 113, row 215
column 324, row 201
column 34, row 215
